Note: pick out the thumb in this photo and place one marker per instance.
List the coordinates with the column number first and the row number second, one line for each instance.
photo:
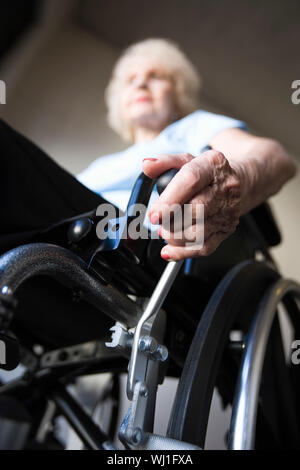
column 153, row 167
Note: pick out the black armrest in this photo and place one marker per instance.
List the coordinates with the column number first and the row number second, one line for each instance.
column 266, row 223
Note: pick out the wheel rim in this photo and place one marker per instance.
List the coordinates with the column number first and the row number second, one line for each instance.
column 191, row 407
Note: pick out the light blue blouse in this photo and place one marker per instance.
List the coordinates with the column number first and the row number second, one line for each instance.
column 113, row 176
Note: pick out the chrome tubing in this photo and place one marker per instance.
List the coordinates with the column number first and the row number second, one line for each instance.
column 244, row 411
column 160, row 293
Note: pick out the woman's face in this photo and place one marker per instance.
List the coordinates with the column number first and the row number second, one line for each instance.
column 148, row 98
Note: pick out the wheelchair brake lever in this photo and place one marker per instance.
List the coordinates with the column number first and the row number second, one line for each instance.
column 146, row 353
column 160, row 292
column 165, row 179
column 157, row 299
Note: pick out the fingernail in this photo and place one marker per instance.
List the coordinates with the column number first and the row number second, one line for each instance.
column 165, row 255
column 154, row 219
column 150, row 160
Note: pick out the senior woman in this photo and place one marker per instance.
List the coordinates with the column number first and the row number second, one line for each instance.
column 152, row 102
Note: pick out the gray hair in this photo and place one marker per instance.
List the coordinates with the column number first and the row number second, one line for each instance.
column 174, row 61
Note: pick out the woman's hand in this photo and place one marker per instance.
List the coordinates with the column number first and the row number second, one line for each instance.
column 208, row 180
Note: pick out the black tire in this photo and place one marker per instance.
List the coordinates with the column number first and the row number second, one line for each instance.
column 232, row 305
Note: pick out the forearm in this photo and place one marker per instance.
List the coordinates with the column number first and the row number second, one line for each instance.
column 264, row 167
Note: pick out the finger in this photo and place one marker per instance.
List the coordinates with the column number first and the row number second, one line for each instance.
column 186, row 231
column 176, row 253
column 153, row 167
column 195, row 233
column 190, row 180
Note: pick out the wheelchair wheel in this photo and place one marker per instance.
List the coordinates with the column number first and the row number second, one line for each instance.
column 210, row 360
column 264, row 378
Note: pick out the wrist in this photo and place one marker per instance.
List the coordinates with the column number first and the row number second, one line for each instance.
column 248, row 182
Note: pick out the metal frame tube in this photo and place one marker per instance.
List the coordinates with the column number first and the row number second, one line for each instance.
column 90, row 434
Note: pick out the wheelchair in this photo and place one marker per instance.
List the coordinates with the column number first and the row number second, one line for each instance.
column 72, row 305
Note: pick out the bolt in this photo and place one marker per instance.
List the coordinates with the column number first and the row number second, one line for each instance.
column 148, row 344
column 136, row 436
column 162, row 353
column 143, row 390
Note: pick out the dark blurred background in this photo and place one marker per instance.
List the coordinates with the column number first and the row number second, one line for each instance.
column 247, row 51
column 16, row 18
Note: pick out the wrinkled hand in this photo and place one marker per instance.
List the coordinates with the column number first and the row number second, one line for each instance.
column 209, row 180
